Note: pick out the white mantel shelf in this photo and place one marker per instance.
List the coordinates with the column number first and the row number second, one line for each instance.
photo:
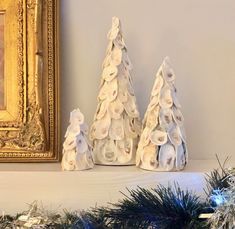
column 21, row 184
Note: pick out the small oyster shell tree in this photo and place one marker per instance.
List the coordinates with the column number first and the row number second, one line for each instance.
column 116, row 127
column 162, row 145
column 77, row 152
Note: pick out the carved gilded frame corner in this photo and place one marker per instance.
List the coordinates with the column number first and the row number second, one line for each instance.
column 29, row 122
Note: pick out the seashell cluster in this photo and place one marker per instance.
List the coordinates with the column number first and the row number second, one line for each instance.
column 116, row 127
column 77, row 153
column 162, row 145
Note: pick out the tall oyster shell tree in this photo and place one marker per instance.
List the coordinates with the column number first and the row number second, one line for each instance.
column 162, row 145
column 77, row 152
column 116, row 127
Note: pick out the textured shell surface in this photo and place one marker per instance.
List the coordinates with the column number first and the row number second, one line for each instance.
column 158, row 137
column 166, row 118
column 109, row 151
column 100, row 128
column 81, row 144
column 152, row 118
column 119, row 42
column 180, row 157
column 109, row 48
column 73, row 130
column 158, row 84
column 122, row 95
column 166, row 100
column 167, row 157
column 178, row 117
column 109, row 72
column 102, row 109
column 69, row 143
column 124, row 150
column 132, row 128
column 116, row 131
column 109, row 90
column 145, row 137
column 116, row 56
column 69, row 160
column 77, row 117
column 175, row 99
column 89, row 159
column 131, row 107
column 107, row 60
column 174, row 135
column 103, row 91
column 182, row 134
column 126, row 61
column 112, row 34
column 115, row 109
column 84, row 128
column 168, row 72
column 149, row 157
column 154, row 101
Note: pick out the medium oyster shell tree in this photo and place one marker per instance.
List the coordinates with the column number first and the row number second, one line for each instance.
column 162, row 145
column 77, row 152
column 116, row 127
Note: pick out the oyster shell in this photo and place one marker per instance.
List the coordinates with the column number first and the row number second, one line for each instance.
column 109, row 72
column 116, row 131
column 112, row 34
column 153, row 102
column 119, row 42
column 72, row 130
column 166, row 119
column 102, row 109
column 84, row 128
column 107, row 60
column 69, row 160
column 178, row 117
column 124, row 150
column 182, row 134
column 109, row 151
column 109, row 48
column 149, row 157
column 81, row 144
column 131, row 107
column 89, row 159
column 130, row 128
column 126, row 61
column 122, row 95
column 167, row 156
column 158, row 137
column 115, row 22
column 152, row 118
column 145, row 137
column 180, row 157
column 100, row 128
column 168, row 72
column 166, row 100
column 158, row 84
column 115, row 109
column 175, row 99
column 69, row 143
column 116, row 56
column 77, row 117
column 174, row 135
column 109, row 90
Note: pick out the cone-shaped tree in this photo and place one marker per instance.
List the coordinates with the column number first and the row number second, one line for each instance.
column 162, row 145
column 116, row 127
column 77, row 153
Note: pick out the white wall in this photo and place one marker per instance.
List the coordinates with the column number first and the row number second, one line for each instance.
column 199, row 37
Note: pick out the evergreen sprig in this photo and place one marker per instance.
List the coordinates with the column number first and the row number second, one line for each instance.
column 159, row 208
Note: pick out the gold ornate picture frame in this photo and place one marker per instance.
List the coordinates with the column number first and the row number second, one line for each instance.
column 29, row 78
